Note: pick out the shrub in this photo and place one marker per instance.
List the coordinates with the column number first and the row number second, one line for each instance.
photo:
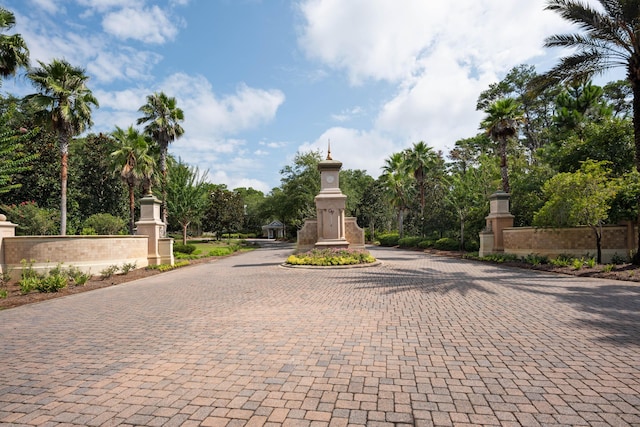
column 390, row 239
column 535, row 259
column 106, row 224
column 618, row 259
column 471, row 246
column 127, row 267
column 500, row 258
column 167, row 267
column 591, row 262
column 32, row 220
column 78, row 277
column 425, row 244
column 221, row 251
column 577, row 263
column 608, row 268
column 3, row 293
column 409, row 242
column 28, row 284
column 184, row 249
column 52, row 283
column 447, row 244
column 561, row 260
column 109, row 271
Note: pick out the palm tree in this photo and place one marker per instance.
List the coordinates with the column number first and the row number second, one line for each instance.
column 418, row 161
column 13, row 49
column 162, row 120
column 134, row 163
column 396, row 181
column 64, row 98
column 501, row 124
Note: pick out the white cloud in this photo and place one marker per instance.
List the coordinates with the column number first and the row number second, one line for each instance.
column 49, row 6
column 439, row 55
column 356, row 149
column 148, row 25
column 348, row 114
column 127, row 63
column 207, row 114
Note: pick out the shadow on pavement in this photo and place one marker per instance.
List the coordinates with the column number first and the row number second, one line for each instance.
column 612, row 308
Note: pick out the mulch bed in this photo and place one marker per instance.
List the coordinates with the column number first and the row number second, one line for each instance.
column 15, row 297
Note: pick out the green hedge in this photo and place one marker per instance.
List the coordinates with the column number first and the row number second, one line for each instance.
column 409, row 242
column 447, row 244
column 390, row 239
column 184, row 249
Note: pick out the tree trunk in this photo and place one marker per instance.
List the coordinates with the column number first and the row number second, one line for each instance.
column 504, row 172
column 461, row 232
column 184, row 233
column 634, row 78
column 401, row 223
column 598, row 243
column 64, row 171
column 132, row 209
column 163, row 169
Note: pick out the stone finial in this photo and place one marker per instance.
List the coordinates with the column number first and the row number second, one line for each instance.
column 329, row 150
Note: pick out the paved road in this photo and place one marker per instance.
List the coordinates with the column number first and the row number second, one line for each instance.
column 418, row 341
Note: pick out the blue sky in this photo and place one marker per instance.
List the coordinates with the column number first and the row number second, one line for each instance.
column 260, row 80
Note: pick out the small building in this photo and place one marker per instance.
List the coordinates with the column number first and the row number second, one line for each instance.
column 274, row 230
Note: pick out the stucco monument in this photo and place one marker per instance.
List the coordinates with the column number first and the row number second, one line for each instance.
column 331, row 228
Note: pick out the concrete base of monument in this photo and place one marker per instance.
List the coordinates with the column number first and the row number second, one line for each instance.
column 331, row 243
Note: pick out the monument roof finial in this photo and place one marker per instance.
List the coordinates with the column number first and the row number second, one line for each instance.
column 329, row 150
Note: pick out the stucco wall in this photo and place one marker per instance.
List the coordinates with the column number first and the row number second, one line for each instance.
column 577, row 241
column 88, row 253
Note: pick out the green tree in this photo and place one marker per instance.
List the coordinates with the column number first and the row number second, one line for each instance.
column 162, row 117
column 13, row 159
column 254, row 217
column 64, row 97
column 608, row 38
column 14, row 53
column 224, row 212
column 353, row 184
column 579, row 103
column 373, row 210
column 300, row 184
column 186, row 195
column 93, row 188
column 419, row 161
column 501, row 124
column 133, row 163
column 536, row 106
column 397, row 182
column 579, row 198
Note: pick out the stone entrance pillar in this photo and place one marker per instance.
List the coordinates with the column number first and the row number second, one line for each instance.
column 7, row 229
column 151, row 225
column 330, row 206
column 491, row 239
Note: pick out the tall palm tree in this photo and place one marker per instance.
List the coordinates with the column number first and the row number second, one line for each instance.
column 66, row 101
column 501, row 124
column 162, row 118
column 418, row 160
column 134, row 163
column 14, row 53
column 396, row 181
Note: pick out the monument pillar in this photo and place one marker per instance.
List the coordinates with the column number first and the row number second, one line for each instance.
column 152, row 226
column 491, row 239
column 330, row 206
column 7, row 229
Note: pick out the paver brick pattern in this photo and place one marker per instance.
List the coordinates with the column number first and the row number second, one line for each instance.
column 418, row 341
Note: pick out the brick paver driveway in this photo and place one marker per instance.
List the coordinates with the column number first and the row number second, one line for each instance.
column 420, row 340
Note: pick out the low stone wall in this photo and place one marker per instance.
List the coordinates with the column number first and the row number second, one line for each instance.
column 577, row 241
column 90, row 254
column 308, row 234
